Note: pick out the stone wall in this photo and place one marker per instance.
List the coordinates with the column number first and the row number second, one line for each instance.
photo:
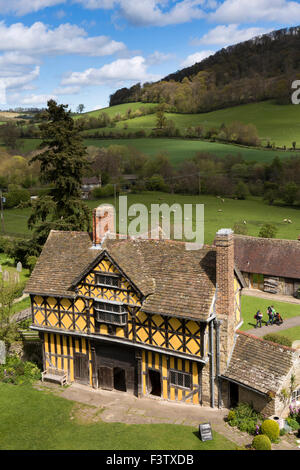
column 28, row 351
column 260, row 403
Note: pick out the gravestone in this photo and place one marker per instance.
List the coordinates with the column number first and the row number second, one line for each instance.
column 16, row 277
column 2, row 352
column 19, row 267
column 205, row 432
column 5, row 276
column 0, row 268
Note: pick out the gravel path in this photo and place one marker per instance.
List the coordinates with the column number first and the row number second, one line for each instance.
column 264, row 330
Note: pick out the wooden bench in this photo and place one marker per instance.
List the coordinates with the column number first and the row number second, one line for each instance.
column 56, row 375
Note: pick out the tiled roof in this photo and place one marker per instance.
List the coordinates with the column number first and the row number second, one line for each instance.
column 64, row 256
column 259, row 364
column 174, row 281
column 269, row 256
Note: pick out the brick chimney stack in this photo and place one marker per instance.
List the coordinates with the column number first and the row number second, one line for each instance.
column 103, row 222
column 224, row 243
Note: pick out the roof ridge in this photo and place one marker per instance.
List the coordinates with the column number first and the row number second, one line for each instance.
column 237, row 235
column 265, row 341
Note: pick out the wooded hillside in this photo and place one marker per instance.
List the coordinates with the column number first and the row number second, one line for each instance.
column 255, row 70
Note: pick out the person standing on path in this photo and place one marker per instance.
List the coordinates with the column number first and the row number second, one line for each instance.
column 258, row 318
column 271, row 313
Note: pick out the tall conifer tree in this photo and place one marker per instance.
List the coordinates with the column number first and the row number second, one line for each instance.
column 62, row 164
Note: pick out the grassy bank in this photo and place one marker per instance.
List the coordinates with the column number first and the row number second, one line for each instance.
column 277, row 124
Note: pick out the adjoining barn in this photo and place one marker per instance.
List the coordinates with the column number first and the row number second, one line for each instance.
column 268, row 264
column 258, row 372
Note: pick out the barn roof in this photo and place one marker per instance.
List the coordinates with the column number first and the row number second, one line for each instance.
column 269, row 256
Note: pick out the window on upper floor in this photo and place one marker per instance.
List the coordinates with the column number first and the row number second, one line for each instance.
column 110, row 312
column 108, row 280
column 180, row 379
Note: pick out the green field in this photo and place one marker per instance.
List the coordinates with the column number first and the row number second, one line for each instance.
column 181, row 149
column 36, row 420
column 275, row 123
column 178, row 149
column 250, row 305
column 253, row 211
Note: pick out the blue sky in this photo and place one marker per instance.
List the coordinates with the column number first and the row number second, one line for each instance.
column 81, row 51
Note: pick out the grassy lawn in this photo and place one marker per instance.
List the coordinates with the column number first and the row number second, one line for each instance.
column 254, row 211
column 250, row 305
column 292, row 333
column 36, row 420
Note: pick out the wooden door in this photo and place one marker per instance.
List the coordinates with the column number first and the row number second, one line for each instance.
column 106, row 378
column 257, row 281
column 81, row 368
column 130, row 379
column 289, row 287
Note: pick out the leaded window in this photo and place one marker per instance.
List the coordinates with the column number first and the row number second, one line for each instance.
column 107, row 280
column 180, row 379
column 110, row 312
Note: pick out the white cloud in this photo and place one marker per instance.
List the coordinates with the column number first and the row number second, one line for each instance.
column 97, row 4
column 243, row 11
column 227, row 35
column 19, row 80
column 117, row 72
column 67, row 90
column 36, row 100
column 39, row 39
column 22, row 7
column 196, row 57
column 151, row 12
column 158, row 58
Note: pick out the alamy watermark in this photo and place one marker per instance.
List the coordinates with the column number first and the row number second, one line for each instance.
column 296, row 94
column 176, row 222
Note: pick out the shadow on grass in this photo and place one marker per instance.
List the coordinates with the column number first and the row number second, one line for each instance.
column 264, row 323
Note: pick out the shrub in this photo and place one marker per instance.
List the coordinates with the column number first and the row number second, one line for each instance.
column 31, row 262
column 240, row 229
column 17, row 372
column 293, row 423
column 104, row 191
column 4, row 244
column 244, row 417
column 261, row 442
column 268, row 231
column 14, row 198
column 279, row 339
column 271, row 429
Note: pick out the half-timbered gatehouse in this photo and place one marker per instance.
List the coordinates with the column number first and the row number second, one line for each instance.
column 145, row 317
